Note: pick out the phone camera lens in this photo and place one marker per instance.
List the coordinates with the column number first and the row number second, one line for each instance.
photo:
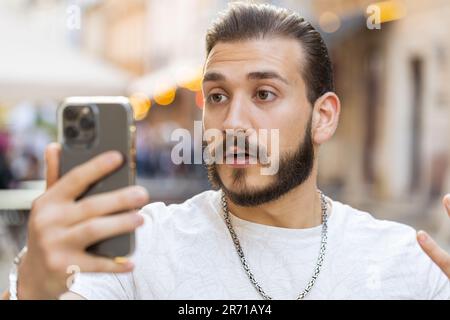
column 71, row 132
column 86, row 123
column 70, row 114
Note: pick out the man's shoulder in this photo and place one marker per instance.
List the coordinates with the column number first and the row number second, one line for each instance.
column 391, row 250
column 376, row 238
column 359, row 222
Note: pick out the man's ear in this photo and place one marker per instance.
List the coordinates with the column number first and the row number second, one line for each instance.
column 325, row 117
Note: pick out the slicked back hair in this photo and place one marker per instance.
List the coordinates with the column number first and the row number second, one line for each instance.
column 249, row 21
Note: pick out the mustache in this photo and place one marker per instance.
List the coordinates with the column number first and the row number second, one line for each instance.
column 236, row 144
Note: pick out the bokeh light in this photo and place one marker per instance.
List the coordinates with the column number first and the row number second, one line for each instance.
column 329, row 22
column 165, row 97
column 199, row 99
column 141, row 104
column 391, row 10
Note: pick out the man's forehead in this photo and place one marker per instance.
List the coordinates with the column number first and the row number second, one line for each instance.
column 283, row 55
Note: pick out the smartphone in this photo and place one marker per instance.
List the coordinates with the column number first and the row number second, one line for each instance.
column 88, row 126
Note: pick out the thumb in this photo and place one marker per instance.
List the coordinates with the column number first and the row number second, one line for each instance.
column 52, row 163
column 446, row 202
column 436, row 253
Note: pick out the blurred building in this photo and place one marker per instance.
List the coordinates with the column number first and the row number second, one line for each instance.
column 393, row 141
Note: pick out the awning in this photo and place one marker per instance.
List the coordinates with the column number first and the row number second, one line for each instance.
column 184, row 74
column 56, row 74
column 39, row 62
column 161, row 86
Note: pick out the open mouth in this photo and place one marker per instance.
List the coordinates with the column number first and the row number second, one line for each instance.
column 239, row 158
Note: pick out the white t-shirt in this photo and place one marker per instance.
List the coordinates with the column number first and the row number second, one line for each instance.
column 184, row 251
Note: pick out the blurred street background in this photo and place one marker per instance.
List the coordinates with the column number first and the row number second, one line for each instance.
column 391, row 153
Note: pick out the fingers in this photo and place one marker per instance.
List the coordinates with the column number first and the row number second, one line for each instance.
column 437, row 254
column 91, row 263
column 446, row 202
column 52, row 163
column 81, row 177
column 111, row 202
column 94, row 230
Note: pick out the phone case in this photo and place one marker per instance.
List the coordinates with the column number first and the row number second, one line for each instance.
column 114, row 130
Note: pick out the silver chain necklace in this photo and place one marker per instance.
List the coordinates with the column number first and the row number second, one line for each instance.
column 240, row 252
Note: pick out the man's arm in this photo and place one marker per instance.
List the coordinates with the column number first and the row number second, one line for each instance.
column 432, row 249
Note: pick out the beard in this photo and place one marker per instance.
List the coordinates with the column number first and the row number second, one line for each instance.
column 294, row 169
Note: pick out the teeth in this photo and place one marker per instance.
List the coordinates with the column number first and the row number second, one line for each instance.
column 236, row 155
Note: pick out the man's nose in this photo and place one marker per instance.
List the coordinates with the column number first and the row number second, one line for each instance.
column 238, row 115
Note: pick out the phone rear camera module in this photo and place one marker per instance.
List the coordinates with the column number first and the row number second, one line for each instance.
column 70, row 113
column 71, row 132
column 79, row 123
column 86, row 123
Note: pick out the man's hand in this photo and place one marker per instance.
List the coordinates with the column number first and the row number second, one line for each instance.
column 431, row 248
column 60, row 228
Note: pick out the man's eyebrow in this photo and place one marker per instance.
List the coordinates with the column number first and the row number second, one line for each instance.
column 261, row 75
column 213, row 76
column 256, row 75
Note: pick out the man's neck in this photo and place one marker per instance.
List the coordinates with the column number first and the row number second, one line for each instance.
column 298, row 209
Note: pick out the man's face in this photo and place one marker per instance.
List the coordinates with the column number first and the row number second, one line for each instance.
column 252, row 85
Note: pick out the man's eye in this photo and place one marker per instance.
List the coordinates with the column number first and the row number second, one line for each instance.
column 216, row 98
column 265, row 95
